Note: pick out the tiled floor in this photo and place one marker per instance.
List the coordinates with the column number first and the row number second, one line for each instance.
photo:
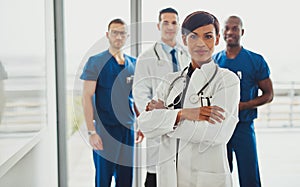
column 279, row 157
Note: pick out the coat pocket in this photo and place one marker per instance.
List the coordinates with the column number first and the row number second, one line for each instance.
column 206, row 179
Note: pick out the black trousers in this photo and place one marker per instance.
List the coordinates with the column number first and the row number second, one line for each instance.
column 150, row 180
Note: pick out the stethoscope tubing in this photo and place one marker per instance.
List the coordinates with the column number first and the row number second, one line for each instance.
column 199, row 92
column 155, row 51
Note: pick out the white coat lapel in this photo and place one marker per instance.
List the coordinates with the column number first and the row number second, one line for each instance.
column 199, row 78
column 164, row 59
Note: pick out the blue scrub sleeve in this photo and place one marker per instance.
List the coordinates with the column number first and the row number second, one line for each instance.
column 90, row 70
column 263, row 71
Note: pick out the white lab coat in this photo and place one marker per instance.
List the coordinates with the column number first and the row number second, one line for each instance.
column 202, row 156
column 148, row 74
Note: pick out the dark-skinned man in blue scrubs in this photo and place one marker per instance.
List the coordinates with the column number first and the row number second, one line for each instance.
column 254, row 74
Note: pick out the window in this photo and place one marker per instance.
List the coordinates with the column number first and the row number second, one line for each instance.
column 85, row 26
column 264, row 32
column 23, row 66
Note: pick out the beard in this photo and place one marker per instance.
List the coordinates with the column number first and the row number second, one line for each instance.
column 233, row 42
column 236, row 44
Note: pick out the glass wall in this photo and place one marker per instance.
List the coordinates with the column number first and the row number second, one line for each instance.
column 85, row 28
column 23, row 77
column 22, row 67
column 265, row 28
column 265, row 25
column 271, row 29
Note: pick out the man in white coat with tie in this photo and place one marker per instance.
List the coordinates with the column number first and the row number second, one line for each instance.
column 165, row 56
column 194, row 112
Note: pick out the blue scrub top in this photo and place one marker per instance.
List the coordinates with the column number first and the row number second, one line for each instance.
column 250, row 68
column 113, row 101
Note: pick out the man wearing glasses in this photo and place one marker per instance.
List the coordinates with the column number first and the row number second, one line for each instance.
column 108, row 109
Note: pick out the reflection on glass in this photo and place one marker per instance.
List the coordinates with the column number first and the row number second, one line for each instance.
column 3, row 76
column 23, row 67
column 24, row 108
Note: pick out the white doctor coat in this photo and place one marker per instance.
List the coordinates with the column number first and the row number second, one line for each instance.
column 202, row 156
column 148, row 74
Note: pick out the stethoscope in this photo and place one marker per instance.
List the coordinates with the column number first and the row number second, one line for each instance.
column 194, row 98
column 156, row 53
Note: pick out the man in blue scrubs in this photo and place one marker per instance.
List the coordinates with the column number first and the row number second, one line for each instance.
column 254, row 74
column 108, row 109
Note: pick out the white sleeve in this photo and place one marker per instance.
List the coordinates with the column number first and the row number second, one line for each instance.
column 160, row 121
column 227, row 98
column 141, row 89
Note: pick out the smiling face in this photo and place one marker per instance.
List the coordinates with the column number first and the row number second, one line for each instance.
column 168, row 26
column 201, row 43
column 233, row 32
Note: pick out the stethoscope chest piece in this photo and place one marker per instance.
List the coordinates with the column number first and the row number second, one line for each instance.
column 194, row 98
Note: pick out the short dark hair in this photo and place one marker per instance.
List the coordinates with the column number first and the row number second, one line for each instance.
column 235, row 17
column 198, row 19
column 117, row 20
column 166, row 10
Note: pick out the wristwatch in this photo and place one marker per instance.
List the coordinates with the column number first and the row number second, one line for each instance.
column 91, row 133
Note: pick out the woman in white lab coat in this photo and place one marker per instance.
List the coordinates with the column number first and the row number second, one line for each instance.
column 194, row 112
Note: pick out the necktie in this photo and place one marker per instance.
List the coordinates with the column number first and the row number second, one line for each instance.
column 174, row 61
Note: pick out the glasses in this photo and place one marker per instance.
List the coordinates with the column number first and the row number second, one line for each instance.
column 115, row 33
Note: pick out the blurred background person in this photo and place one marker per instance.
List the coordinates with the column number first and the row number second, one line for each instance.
column 163, row 57
column 108, row 109
column 254, row 75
